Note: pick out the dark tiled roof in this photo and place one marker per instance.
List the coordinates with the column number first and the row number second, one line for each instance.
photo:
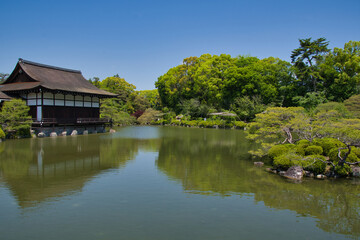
column 54, row 78
column 4, row 96
column 19, row 86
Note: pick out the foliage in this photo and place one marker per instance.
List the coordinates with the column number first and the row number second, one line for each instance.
column 95, row 81
column 2, row 134
column 286, row 160
column 313, row 150
column 149, row 116
column 340, row 71
column 14, row 117
column 305, row 60
column 316, row 164
column 333, row 106
column 194, row 108
column 112, row 110
column 353, row 105
column 3, row 77
column 327, row 144
column 218, row 80
column 278, row 150
column 152, row 97
column 310, row 100
column 246, row 108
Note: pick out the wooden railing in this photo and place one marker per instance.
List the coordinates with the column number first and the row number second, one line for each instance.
column 93, row 120
column 62, row 121
column 44, row 121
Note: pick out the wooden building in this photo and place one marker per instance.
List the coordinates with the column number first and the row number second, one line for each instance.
column 56, row 96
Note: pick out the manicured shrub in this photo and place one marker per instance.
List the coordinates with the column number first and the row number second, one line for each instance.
column 333, row 155
column 2, row 134
column 287, row 160
column 356, row 151
column 313, row 150
column 315, row 165
column 328, row 144
column 240, row 124
column 303, row 142
column 278, row 150
column 343, row 171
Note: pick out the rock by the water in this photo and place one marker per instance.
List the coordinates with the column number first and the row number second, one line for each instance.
column 259, row 164
column 74, row 133
column 86, row 132
column 53, row 134
column 320, row 176
column 309, row 174
column 294, row 172
column 112, row 131
column 356, row 172
column 41, row 135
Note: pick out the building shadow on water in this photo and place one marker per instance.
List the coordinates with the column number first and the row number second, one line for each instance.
column 39, row 170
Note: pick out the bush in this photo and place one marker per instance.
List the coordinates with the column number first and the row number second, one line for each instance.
column 240, row 124
column 343, row 171
column 328, row 144
column 315, row 165
column 2, row 134
column 149, row 116
column 303, row 142
column 278, row 150
column 313, row 150
column 333, row 155
column 287, row 160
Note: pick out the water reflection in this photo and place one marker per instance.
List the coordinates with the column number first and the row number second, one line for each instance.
column 203, row 161
column 37, row 170
column 216, row 162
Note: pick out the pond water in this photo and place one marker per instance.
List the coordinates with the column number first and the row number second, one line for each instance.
column 163, row 183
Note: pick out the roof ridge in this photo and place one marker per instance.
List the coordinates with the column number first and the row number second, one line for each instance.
column 48, row 66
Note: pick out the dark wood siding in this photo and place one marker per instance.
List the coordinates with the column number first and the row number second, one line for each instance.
column 69, row 114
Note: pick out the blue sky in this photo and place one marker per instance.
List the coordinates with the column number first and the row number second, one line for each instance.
column 141, row 40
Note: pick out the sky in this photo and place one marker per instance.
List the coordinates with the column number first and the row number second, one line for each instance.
column 141, row 40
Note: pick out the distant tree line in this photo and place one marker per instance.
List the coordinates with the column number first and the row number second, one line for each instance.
column 246, row 85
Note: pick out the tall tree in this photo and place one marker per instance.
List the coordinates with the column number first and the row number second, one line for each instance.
column 341, row 72
column 306, row 59
column 3, row 77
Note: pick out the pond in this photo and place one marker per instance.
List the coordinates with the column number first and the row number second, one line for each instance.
column 163, row 183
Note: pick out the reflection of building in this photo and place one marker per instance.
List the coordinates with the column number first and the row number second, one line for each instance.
column 52, row 170
column 39, row 170
column 55, row 95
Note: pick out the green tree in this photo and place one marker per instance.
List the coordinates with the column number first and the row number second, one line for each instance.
column 194, row 108
column 14, row 117
column 3, row 77
column 306, row 59
column 341, row 72
column 246, row 108
column 95, row 81
column 280, row 125
column 118, row 86
column 353, row 105
column 348, row 132
column 149, row 115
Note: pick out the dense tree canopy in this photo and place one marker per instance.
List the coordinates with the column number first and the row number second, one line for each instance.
column 247, row 84
column 218, row 80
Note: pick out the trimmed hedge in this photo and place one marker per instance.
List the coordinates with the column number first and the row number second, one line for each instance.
column 313, row 150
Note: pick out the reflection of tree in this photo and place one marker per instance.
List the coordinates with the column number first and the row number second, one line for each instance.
column 208, row 164
column 38, row 169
